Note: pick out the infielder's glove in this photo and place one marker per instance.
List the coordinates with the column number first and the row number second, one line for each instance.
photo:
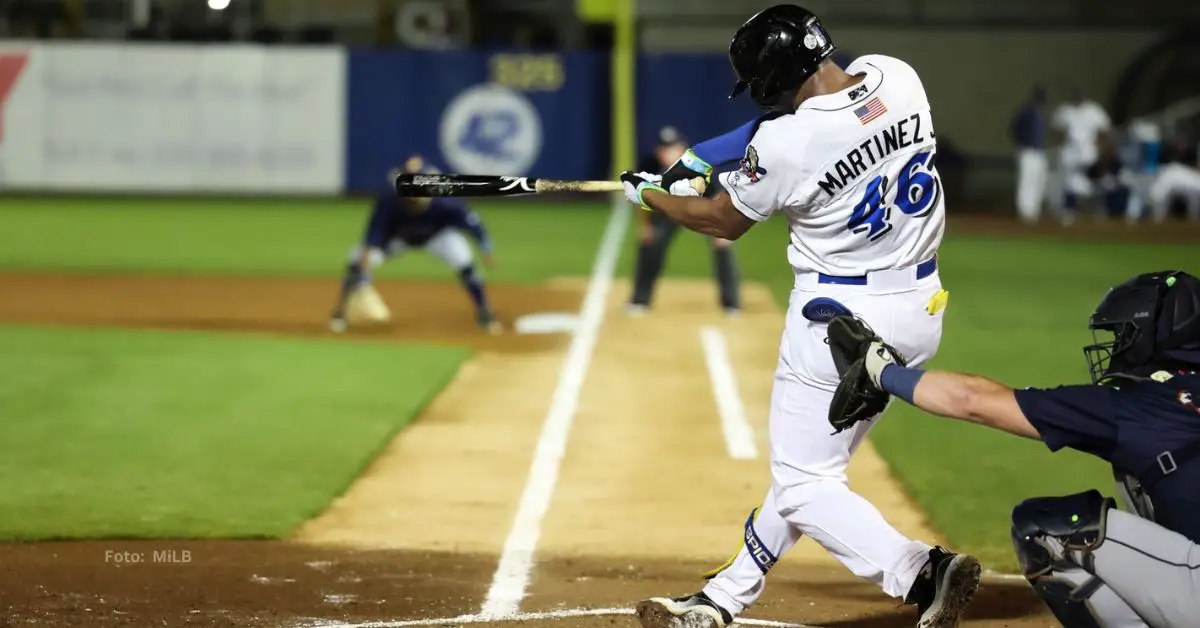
column 366, row 305
column 859, row 355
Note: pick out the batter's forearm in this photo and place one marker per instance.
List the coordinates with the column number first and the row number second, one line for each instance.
column 692, row 212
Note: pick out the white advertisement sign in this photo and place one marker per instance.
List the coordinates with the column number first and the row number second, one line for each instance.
column 172, row 118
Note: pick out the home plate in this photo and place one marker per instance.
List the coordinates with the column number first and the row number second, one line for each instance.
column 547, row 323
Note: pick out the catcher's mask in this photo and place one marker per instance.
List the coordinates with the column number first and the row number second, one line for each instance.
column 1154, row 321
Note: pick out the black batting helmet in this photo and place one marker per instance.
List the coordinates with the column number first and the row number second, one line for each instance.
column 775, row 51
column 1155, row 322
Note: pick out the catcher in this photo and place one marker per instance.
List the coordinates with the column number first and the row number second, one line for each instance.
column 1092, row 564
column 397, row 225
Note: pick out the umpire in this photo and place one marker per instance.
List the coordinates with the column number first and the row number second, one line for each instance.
column 1093, row 565
column 658, row 231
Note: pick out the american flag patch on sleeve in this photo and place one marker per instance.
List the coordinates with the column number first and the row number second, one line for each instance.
column 870, row 110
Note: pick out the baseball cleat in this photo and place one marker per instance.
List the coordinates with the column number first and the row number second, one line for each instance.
column 944, row 588
column 689, row 611
column 337, row 324
column 635, row 310
column 487, row 322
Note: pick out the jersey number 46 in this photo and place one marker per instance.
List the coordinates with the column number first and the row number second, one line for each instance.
column 915, row 194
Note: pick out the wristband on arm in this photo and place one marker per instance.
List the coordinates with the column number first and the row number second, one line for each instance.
column 900, row 381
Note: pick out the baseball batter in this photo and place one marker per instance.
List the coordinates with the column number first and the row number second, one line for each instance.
column 397, row 225
column 847, row 157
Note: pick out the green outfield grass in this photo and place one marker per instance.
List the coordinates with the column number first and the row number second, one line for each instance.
column 153, row 434
column 110, row 433
column 1017, row 312
column 263, row 237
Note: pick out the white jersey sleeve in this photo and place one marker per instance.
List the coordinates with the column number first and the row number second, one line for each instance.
column 753, row 192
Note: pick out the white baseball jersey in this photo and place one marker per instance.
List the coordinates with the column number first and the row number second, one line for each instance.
column 1081, row 123
column 853, row 172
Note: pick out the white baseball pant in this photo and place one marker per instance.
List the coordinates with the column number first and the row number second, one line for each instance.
column 449, row 245
column 1032, row 170
column 809, row 494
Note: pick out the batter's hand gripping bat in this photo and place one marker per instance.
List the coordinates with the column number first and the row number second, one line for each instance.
column 430, row 185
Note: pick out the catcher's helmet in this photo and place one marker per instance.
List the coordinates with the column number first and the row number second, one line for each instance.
column 1155, row 322
column 775, row 51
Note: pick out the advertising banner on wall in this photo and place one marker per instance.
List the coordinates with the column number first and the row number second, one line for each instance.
column 477, row 112
column 178, row 118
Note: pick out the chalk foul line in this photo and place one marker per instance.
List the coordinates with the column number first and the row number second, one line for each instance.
column 511, row 578
column 739, row 436
column 519, row 617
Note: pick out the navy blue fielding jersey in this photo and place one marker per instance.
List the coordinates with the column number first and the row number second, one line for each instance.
column 1131, row 427
column 394, row 218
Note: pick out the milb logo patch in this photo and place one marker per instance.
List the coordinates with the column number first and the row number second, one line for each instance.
column 759, row 552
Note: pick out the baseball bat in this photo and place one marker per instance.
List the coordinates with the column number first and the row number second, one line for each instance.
column 472, row 185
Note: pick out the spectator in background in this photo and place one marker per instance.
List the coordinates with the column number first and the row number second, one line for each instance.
column 1177, row 179
column 1029, row 129
column 1084, row 125
column 1113, row 181
column 658, row 231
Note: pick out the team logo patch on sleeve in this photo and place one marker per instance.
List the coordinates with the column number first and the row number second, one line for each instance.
column 750, row 167
column 870, row 110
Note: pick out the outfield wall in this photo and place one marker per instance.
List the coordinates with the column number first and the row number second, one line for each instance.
column 172, row 118
column 249, row 119
column 246, row 119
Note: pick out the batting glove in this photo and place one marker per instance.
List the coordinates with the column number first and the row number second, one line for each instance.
column 687, row 168
column 638, row 182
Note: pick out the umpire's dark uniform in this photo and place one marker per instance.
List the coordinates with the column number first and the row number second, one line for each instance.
column 652, row 247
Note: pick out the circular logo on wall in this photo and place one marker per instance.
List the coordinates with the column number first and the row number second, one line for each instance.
column 490, row 129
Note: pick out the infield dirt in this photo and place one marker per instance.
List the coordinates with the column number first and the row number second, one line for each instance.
column 646, row 500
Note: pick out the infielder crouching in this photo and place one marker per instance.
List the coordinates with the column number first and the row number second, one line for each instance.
column 397, row 225
column 1094, row 565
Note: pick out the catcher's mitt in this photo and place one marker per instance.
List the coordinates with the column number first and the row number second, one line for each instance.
column 857, row 398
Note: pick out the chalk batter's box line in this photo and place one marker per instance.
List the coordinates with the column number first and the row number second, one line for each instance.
column 519, row 617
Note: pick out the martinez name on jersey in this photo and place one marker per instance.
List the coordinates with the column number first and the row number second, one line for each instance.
column 913, row 130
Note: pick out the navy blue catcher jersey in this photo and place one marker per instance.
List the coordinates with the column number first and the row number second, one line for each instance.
column 1148, row 429
column 393, row 217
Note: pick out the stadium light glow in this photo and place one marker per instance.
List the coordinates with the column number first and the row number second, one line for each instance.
column 218, row 5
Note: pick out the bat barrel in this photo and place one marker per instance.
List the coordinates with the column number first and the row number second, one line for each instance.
column 546, row 186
